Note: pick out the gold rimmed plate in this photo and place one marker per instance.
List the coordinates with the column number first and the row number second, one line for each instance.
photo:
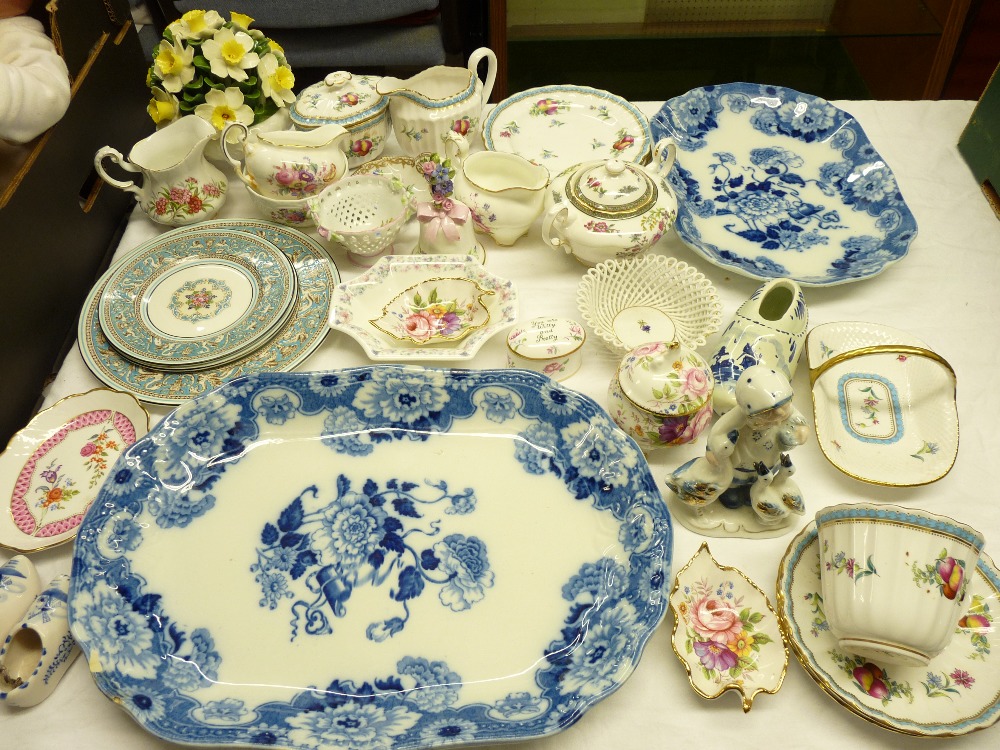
column 957, row 693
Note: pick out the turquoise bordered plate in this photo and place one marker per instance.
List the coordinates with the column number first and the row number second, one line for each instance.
column 316, row 276
column 774, row 183
column 412, row 557
column 196, row 299
column 957, row 693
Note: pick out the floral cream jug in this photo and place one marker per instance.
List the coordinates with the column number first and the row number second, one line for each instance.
column 288, row 164
column 179, row 185
column 505, row 192
column 601, row 210
column 437, row 100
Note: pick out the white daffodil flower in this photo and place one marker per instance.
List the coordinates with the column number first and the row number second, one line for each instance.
column 223, row 107
column 174, row 64
column 196, row 24
column 276, row 80
column 163, row 107
column 230, row 54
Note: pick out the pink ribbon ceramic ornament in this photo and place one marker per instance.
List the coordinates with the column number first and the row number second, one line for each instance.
column 447, row 217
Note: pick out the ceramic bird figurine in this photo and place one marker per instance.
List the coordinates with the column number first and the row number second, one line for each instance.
column 746, row 461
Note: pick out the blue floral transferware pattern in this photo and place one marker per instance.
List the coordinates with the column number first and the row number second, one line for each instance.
column 315, row 277
column 363, row 541
column 903, row 699
column 776, row 183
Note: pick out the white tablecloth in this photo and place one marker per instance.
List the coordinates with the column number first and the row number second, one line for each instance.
column 944, row 292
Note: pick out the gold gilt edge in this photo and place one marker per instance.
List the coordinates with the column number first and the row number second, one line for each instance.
column 36, row 417
column 786, row 626
column 870, row 480
column 745, row 699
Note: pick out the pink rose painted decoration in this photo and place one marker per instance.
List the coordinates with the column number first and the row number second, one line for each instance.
column 725, row 632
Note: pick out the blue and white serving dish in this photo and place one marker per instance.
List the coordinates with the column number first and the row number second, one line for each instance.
column 383, row 557
column 775, row 183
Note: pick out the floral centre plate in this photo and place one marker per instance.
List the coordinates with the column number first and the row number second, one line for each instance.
column 195, row 299
column 53, row 468
column 561, row 126
column 316, row 275
column 957, row 693
column 775, row 183
column 443, row 556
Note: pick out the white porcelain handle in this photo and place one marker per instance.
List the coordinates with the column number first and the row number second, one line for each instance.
column 663, row 163
column 548, row 224
column 456, row 146
column 491, row 69
column 238, row 166
column 107, row 152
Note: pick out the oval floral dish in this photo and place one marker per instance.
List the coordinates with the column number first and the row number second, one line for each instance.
column 435, row 310
column 775, row 183
column 957, row 693
column 726, row 633
column 380, row 558
column 53, row 468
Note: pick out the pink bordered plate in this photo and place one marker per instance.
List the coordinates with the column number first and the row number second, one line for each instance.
column 52, row 469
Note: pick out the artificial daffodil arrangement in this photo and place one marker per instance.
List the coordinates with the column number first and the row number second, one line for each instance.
column 222, row 71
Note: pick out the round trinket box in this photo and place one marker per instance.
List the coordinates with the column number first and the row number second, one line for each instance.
column 552, row 346
column 662, row 394
column 351, row 102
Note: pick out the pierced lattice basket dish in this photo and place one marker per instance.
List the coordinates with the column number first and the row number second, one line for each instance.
column 632, row 301
column 363, row 213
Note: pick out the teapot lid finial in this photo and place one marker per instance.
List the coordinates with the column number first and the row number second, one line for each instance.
column 337, row 79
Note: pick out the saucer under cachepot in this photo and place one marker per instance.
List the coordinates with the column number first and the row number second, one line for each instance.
column 726, row 633
column 958, row 692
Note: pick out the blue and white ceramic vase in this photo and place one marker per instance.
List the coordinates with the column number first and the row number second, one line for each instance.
column 768, row 329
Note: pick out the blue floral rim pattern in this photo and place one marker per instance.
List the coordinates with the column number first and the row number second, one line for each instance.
column 940, row 524
column 794, row 188
column 372, row 536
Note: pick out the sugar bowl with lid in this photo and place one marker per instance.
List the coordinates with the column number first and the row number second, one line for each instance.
column 662, row 394
column 600, row 210
column 352, row 102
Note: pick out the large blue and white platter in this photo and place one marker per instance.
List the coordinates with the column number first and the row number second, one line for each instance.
column 382, row 557
column 775, row 183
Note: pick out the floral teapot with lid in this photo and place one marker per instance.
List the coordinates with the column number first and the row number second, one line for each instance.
column 600, row 210
column 426, row 106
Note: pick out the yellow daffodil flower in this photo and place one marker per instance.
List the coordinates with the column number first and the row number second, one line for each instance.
column 223, row 107
column 196, row 24
column 174, row 64
column 240, row 19
column 230, row 54
column 276, row 80
column 163, row 107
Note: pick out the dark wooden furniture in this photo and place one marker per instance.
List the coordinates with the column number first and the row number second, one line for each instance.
column 59, row 224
